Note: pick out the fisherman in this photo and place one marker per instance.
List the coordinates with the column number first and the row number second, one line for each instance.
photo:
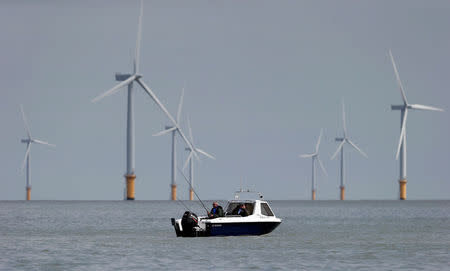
column 216, row 211
column 241, row 210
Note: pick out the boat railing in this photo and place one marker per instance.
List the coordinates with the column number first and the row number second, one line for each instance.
column 237, row 194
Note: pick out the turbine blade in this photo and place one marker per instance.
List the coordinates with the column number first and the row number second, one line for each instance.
column 425, row 107
column 188, row 159
column 402, row 133
column 343, row 119
column 321, row 165
column 318, row 141
column 307, row 155
column 165, row 131
column 163, row 108
column 114, row 89
column 156, row 100
column 356, row 147
column 26, row 156
column 399, row 82
column 27, row 127
column 43, row 143
column 138, row 39
column 190, row 130
column 180, row 105
column 205, row 154
column 192, row 138
column 338, row 149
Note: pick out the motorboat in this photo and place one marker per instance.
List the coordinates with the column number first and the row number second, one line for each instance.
column 258, row 220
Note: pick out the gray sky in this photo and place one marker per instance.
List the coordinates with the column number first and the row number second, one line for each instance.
column 262, row 78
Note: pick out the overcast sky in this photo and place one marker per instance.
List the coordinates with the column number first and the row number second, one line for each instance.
column 263, row 77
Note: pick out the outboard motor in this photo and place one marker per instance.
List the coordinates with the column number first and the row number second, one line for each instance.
column 188, row 222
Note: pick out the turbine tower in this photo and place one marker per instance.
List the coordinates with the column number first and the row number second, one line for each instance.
column 128, row 80
column 191, row 161
column 401, row 149
column 315, row 156
column 344, row 140
column 30, row 140
column 174, row 130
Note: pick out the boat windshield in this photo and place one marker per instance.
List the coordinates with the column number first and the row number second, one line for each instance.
column 234, row 206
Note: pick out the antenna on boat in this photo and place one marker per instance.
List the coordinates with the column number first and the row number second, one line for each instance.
column 186, row 179
column 241, row 190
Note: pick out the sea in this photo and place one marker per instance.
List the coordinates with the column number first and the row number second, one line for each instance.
column 138, row 235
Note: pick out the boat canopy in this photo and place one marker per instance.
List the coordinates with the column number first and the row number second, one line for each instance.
column 252, row 207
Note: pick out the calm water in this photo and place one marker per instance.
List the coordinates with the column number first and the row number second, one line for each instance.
column 321, row 235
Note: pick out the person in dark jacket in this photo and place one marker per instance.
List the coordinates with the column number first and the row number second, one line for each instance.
column 240, row 210
column 216, row 211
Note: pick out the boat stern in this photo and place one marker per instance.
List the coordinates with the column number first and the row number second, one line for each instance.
column 176, row 223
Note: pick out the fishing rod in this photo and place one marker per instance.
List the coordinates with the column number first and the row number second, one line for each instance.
column 186, row 179
column 181, row 201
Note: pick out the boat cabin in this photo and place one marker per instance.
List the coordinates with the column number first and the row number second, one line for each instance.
column 252, row 207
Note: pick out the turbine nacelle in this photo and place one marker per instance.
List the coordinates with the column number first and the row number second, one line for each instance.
column 398, row 107
column 122, row 76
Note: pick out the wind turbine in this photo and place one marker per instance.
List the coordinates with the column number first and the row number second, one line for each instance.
column 401, row 149
column 30, row 140
column 191, row 161
column 344, row 140
column 315, row 156
column 174, row 130
column 128, row 80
